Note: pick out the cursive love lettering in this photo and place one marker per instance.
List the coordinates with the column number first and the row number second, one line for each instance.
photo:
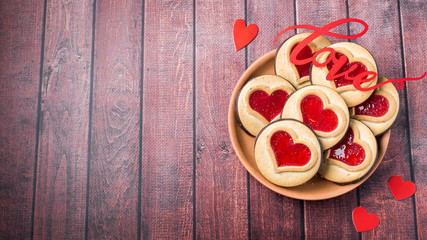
column 362, row 77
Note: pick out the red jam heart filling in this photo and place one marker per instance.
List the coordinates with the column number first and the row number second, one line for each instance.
column 287, row 153
column 303, row 70
column 347, row 151
column 343, row 81
column 316, row 117
column 269, row 106
column 376, row 106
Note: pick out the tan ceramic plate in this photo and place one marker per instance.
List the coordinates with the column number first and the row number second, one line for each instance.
column 243, row 144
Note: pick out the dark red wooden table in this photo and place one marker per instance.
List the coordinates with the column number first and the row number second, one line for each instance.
column 113, row 121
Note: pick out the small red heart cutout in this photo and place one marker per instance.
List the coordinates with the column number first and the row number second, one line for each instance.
column 401, row 189
column 243, row 35
column 364, row 221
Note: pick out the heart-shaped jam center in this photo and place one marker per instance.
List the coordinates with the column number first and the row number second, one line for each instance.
column 286, row 152
column 347, row 151
column 375, row 105
column 303, row 70
column 343, row 81
column 315, row 116
column 269, row 106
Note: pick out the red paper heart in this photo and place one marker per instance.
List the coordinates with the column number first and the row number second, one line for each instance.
column 376, row 106
column 316, row 117
column 347, row 151
column 286, row 152
column 269, row 106
column 342, row 81
column 401, row 189
column 243, row 35
column 364, row 221
column 305, row 53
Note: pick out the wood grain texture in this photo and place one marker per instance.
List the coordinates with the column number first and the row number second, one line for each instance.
column 414, row 22
column 21, row 26
column 167, row 137
column 60, row 208
column 221, row 181
column 319, row 222
column 396, row 219
column 115, row 147
column 268, row 208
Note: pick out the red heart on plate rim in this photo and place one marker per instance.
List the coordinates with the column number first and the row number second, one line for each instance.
column 269, row 106
column 243, row 35
column 288, row 153
column 401, row 189
column 364, row 221
column 315, row 116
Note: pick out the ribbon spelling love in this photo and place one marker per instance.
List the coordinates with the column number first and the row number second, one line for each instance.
column 365, row 76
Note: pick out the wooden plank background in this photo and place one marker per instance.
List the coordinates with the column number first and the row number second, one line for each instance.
column 113, row 121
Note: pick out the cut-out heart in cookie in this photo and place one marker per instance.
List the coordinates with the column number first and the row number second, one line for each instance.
column 375, row 106
column 347, row 151
column 269, row 106
column 288, row 153
column 306, row 52
column 401, row 189
column 342, row 80
column 243, row 35
column 364, row 221
column 316, row 117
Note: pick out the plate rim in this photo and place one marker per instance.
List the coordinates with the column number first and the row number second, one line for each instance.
column 381, row 140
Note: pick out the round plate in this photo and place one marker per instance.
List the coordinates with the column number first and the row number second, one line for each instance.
column 243, row 144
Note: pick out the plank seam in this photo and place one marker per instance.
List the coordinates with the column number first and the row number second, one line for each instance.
column 92, row 66
column 194, row 121
column 411, row 170
column 39, row 96
column 141, row 92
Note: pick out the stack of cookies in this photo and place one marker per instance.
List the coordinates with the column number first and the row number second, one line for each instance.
column 305, row 124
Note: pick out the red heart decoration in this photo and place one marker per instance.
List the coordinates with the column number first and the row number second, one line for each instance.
column 286, row 152
column 316, row 117
column 401, row 189
column 347, row 151
column 269, row 106
column 243, row 35
column 342, row 81
column 375, row 105
column 364, row 221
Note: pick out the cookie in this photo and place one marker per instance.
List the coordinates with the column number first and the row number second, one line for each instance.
column 287, row 153
column 357, row 57
column 353, row 157
column 261, row 101
column 380, row 110
column 322, row 109
column 298, row 75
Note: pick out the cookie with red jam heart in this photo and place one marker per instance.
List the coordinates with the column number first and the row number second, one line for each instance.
column 322, row 109
column 287, row 153
column 261, row 101
column 359, row 60
column 380, row 110
column 353, row 157
column 298, row 75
